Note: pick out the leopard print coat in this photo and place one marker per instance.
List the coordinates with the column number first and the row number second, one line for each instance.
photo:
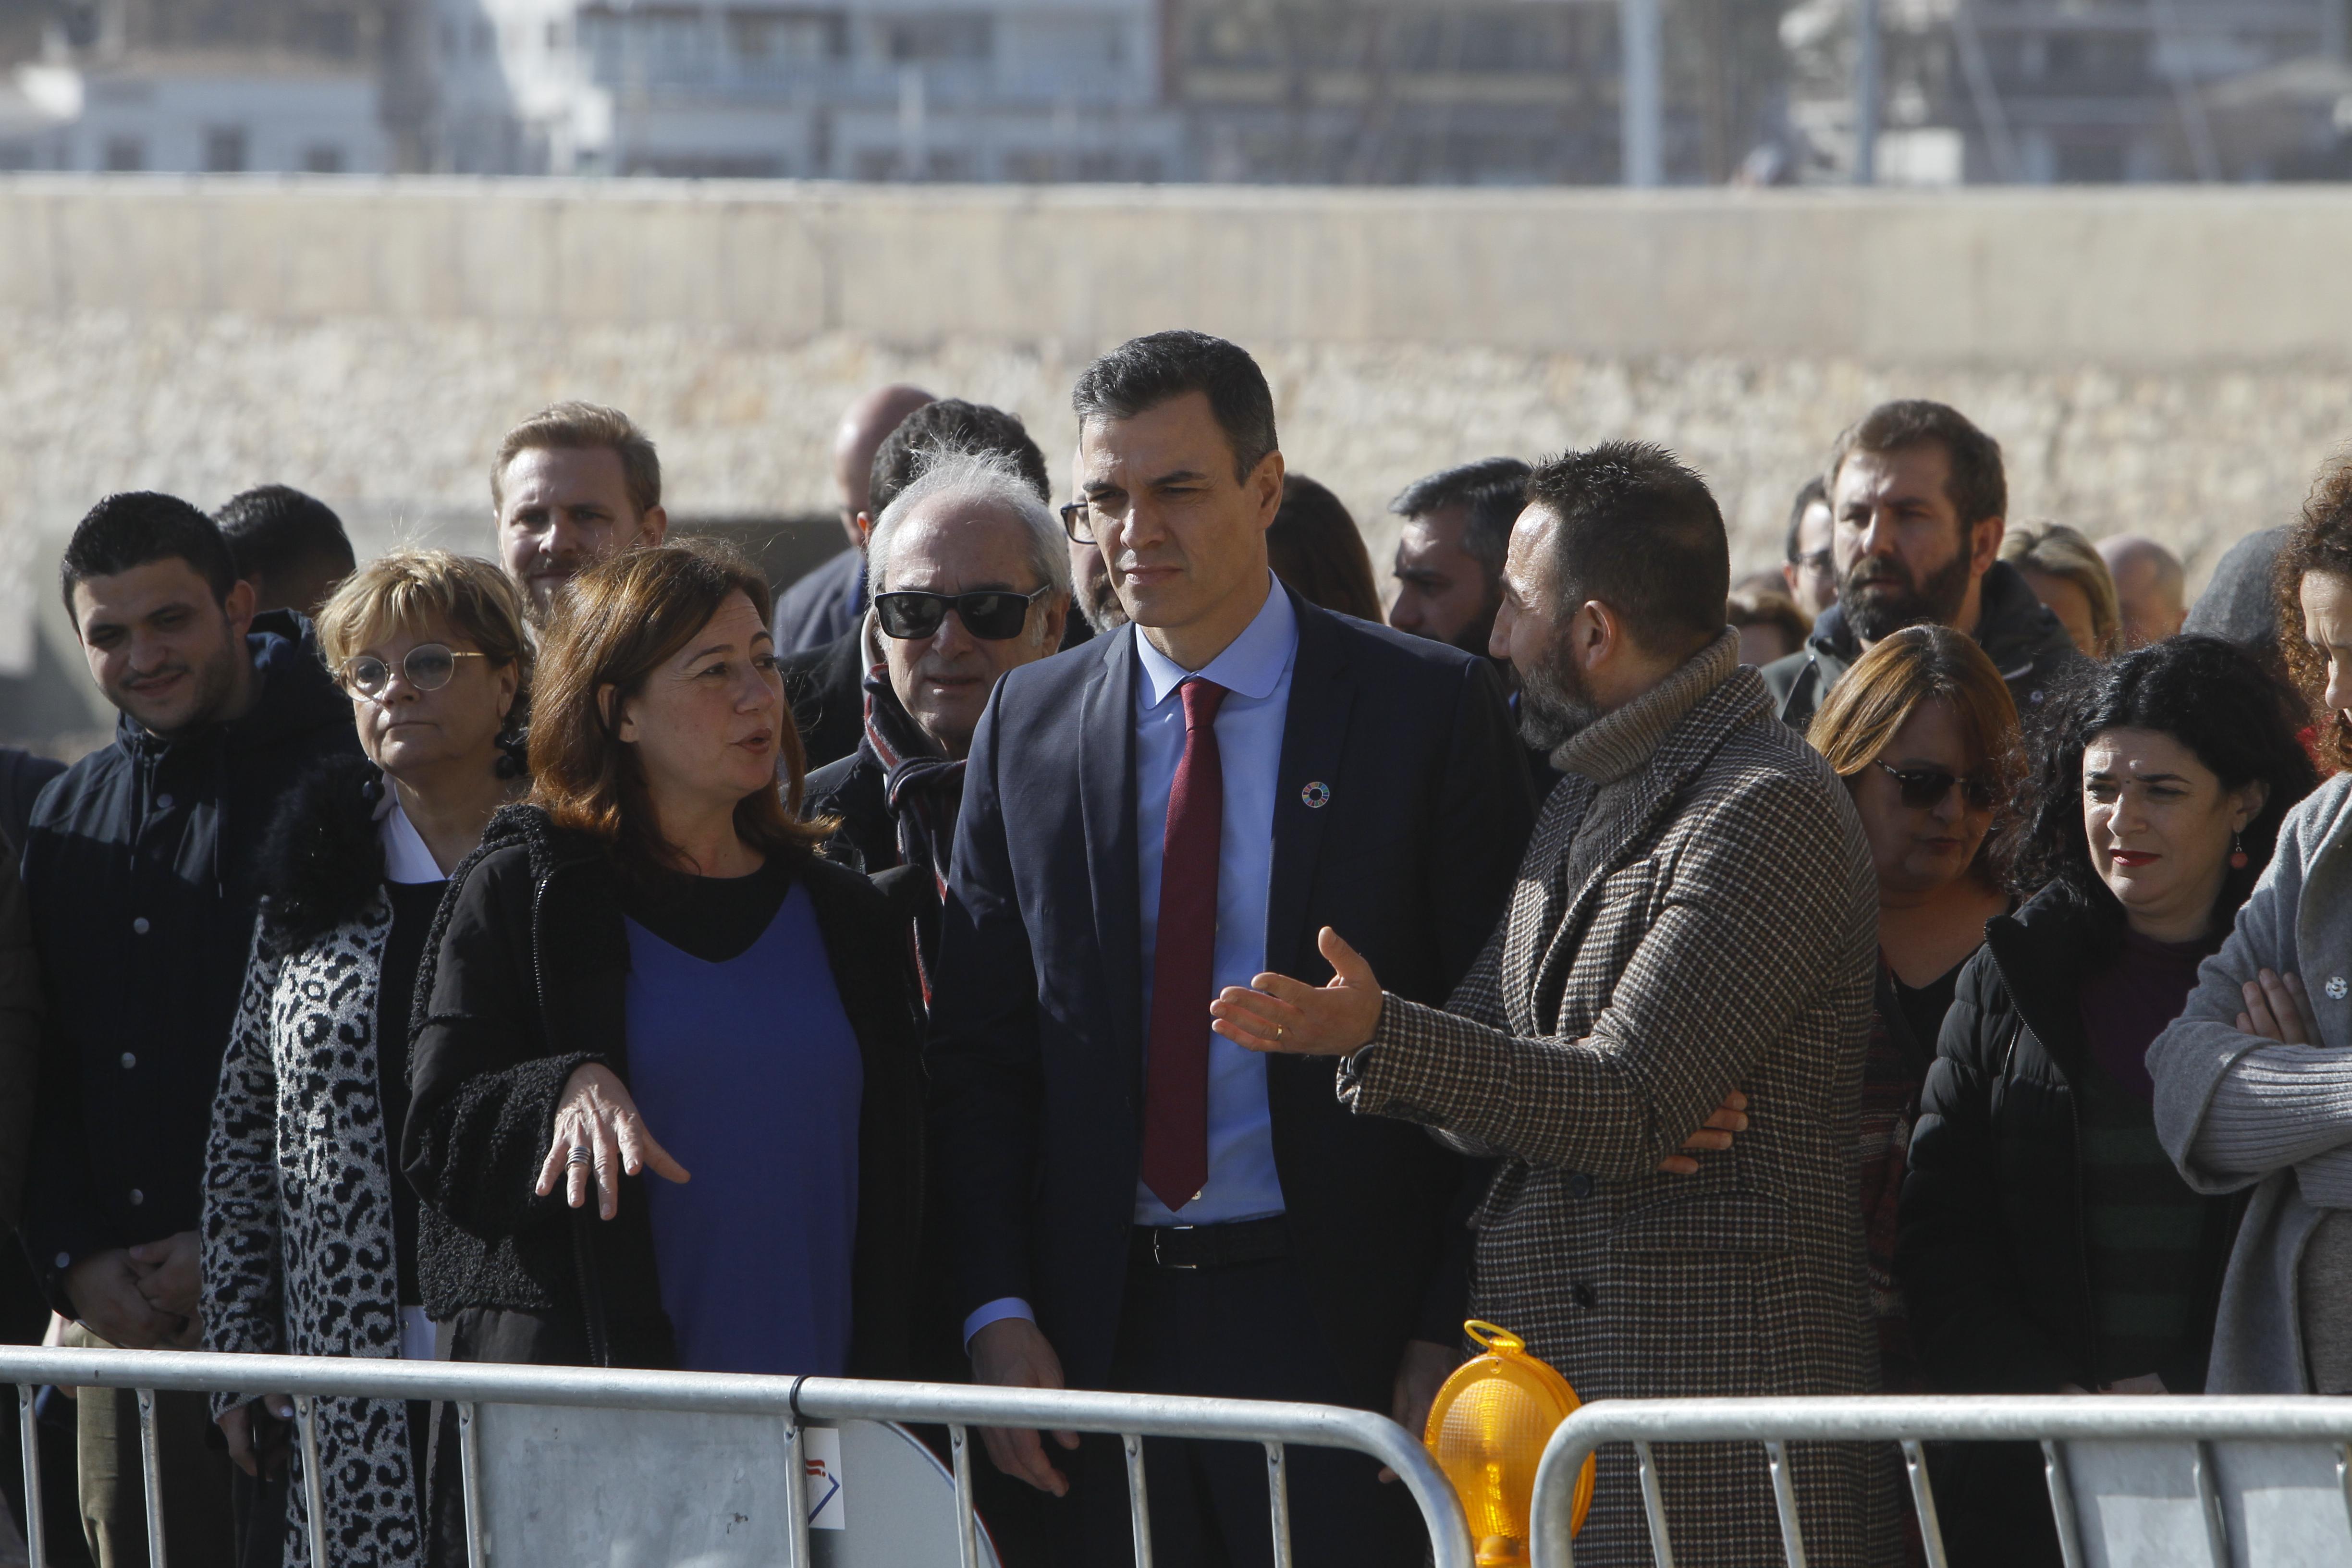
column 299, row 1253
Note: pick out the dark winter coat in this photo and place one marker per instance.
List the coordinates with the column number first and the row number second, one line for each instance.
column 825, row 686
column 525, row 981
column 1992, row 1253
column 2020, row 634
column 142, row 866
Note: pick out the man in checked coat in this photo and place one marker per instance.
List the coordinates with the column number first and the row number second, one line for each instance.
column 1696, row 914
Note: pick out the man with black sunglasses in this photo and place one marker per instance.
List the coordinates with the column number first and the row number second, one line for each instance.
column 970, row 580
column 1129, row 1202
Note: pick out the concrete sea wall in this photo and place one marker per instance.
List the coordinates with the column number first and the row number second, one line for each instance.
column 2175, row 362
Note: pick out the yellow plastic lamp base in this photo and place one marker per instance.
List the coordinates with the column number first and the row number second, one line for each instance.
column 1486, row 1430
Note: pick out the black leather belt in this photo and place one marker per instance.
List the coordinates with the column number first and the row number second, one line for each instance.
column 1209, row 1245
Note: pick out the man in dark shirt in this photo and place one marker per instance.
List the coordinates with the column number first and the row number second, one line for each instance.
column 291, row 546
column 138, row 866
column 825, row 683
column 826, row 603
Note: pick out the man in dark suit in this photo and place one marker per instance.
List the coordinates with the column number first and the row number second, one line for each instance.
column 1136, row 1204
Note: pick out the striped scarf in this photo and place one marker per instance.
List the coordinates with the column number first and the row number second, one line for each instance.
column 923, row 789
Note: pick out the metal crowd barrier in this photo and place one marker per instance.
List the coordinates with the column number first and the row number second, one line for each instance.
column 2152, row 1481
column 796, row 1400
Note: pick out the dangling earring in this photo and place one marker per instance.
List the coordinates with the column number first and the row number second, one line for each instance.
column 2236, row 852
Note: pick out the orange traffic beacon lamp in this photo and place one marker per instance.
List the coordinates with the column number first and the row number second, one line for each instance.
column 1488, row 1428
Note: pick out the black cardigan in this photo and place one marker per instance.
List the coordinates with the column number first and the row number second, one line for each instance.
column 524, row 982
column 1991, row 1253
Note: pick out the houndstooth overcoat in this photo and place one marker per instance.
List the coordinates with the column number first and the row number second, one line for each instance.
column 1697, row 913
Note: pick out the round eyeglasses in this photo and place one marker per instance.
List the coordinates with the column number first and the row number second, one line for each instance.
column 428, row 668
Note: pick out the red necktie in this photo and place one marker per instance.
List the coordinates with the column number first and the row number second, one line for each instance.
column 1176, row 1073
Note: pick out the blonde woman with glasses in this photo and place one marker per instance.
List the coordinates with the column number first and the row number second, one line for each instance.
column 310, row 1234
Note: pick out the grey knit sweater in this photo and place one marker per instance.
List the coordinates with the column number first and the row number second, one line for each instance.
column 2234, row 1110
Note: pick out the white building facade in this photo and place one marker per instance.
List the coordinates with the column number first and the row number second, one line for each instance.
column 865, row 89
column 192, row 114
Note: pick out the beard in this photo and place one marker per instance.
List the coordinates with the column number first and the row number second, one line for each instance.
column 1880, row 596
column 1474, row 639
column 1555, row 704
column 1103, row 610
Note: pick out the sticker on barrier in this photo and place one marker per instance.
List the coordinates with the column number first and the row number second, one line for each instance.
column 566, row 1487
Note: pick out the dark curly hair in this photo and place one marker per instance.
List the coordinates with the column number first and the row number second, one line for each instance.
column 2319, row 540
column 2213, row 697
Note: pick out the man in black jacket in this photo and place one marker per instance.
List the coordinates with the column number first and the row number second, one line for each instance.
column 139, row 867
column 970, row 580
column 1918, row 502
column 1130, row 1205
column 825, row 683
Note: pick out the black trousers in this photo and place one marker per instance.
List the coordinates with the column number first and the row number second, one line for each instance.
column 1242, row 1331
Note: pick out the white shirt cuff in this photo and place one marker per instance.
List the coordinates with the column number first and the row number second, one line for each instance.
column 995, row 1311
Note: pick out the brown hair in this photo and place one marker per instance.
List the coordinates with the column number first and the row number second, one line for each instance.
column 2319, row 540
column 1754, row 607
column 584, row 426
column 1314, row 547
column 1900, row 674
column 629, row 614
column 1978, row 487
column 2055, row 549
column 408, row 588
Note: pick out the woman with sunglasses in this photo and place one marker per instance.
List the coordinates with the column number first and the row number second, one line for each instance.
column 1924, row 734
column 2047, row 1245
column 310, row 1233
column 972, row 581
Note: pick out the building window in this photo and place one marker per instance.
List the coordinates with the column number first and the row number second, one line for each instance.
column 554, row 37
column 943, row 38
column 224, row 149
column 125, row 155
column 323, row 158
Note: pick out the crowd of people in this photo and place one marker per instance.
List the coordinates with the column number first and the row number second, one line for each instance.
column 1074, row 943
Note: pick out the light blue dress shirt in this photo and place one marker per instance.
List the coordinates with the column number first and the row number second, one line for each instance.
column 1255, row 669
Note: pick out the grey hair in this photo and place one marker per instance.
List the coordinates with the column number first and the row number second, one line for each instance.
column 990, row 479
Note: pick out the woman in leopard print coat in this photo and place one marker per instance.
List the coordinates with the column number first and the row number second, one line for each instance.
column 309, row 1231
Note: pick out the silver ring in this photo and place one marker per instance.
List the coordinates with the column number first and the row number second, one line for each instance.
column 580, row 1155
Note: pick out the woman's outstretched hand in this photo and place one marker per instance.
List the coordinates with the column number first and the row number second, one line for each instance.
column 596, row 1114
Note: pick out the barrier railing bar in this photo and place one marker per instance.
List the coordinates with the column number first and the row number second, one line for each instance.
column 314, row 1495
column 1653, row 1507
column 1278, row 1503
column 1922, row 1501
column 967, row 1545
column 28, row 1432
column 1784, row 1501
column 2049, row 1419
column 1139, row 1505
column 824, row 1400
column 150, row 1466
column 796, row 1530
column 2061, row 1504
column 2208, row 1496
column 470, row 1480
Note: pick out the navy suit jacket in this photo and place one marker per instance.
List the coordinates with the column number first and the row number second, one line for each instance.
column 1037, row 1037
